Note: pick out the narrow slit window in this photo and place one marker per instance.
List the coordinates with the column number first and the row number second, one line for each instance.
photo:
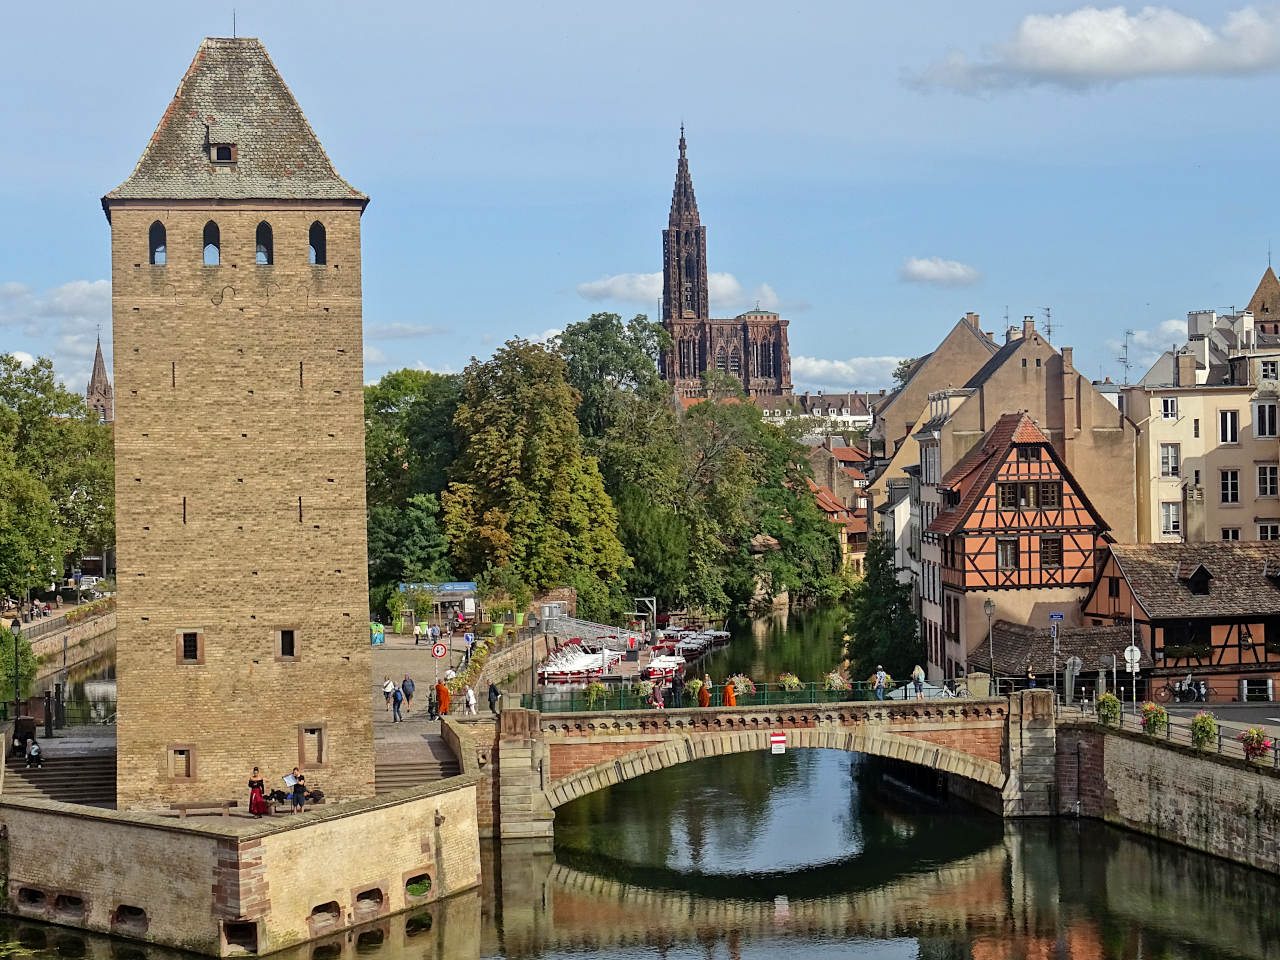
column 265, row 249
column 299, row 509
column 212, row 244
column 319, row 251
column 156, row 243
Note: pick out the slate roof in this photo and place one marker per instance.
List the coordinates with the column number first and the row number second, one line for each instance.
column 1018, row 646
column 232, row 93
column 1157, row 572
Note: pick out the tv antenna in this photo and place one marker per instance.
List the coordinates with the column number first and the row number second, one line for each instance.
column 1048, row 324
column 1125, row 362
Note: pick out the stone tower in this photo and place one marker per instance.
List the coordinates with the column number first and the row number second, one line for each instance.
column 97, row 395
column 751, row 347
column 239, row 435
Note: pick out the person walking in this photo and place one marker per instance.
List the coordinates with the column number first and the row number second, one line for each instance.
column 704, row 692
column 1031, row 679
column 470, row 696
column 408, row 687
column 881, row 679
column 677, row 690
column 494, row 697
column 257, row 795
column 417, row 632
column 917, row 679
column 397, row 698
column 299, row 792
column 442, row 698
column 730, row 694
column 387, row 688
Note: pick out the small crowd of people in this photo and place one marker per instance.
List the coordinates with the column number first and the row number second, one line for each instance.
column 297, row 793
column 35, row 609
column 399, row 696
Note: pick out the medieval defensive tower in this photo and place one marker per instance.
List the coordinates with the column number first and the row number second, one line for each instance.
column 239, row 437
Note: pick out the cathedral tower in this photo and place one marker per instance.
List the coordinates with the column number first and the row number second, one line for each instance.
column 239, row 436
column 97, row 395
column 684, row 251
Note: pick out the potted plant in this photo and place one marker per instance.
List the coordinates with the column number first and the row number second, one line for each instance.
column 833, row 681
column 1109, row 709
column 1155, row 720
column 596, row 692
column 790, row 682
column 742, row 684
column 1256, row 744
column 1204, row 730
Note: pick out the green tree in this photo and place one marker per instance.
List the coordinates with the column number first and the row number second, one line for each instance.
column 523, row 493
column 406, row 545
column 902, row 372
column 27, row 665
column 883, row 628
column 608, row 362
column 409, row 437
column 32, row 543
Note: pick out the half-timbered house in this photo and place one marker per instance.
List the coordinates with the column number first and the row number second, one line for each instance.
column 1013, row 526
column 1211, row 610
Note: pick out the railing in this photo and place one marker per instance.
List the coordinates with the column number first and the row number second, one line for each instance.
column 81, row 713
column 625, row 697
column 44, row 626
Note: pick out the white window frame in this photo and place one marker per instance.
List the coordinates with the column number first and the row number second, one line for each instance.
column 1264, row 420
column 1230, row 533
column 1171, row 518
column 1269, row 531
column 1228, row 426
column 1168, row 408
column 1170, row 459
column 1270, row 369
column 1268, row 480
column 1229, row 486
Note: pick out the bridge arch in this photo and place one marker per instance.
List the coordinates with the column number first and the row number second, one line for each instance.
column 638, row 744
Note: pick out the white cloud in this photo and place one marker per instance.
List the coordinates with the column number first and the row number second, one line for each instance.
column 935, row 270
column 24, row 358
column 373, row 355
column 643, row 288
column 856, row 373
column 400, row 331
column 63, row 321
column 546, row 336
column 1091, row 46
column 1145, row 346
column 724, row 290
column 445, row 368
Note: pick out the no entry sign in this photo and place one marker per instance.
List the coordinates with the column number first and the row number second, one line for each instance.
column 439, row 650
column 779, row 742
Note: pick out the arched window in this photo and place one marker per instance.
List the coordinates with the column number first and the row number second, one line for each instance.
column 212, row 245
column 265, row 250
column 319, row 254
column 155, row 241
column 720, row 359
column 735, row 363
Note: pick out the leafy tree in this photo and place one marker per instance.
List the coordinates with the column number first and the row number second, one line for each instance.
column 32, row 543
column 409, row 438
column 523, row 493
column 406, row 545
column 883, row 629
column 27, row 665
column 902, row 372
column 607, row 361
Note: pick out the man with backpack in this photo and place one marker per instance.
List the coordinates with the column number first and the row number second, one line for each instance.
column 397, row 698
column 407, row 687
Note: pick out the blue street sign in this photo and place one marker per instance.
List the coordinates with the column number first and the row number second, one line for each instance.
column 1055, row 616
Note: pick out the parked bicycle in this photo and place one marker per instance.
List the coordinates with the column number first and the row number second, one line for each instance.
column 1189, row 690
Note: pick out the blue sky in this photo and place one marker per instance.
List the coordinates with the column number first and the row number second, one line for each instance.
column 873, row 170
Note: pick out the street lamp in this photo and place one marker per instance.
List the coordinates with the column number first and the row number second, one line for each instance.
column 16, row 627
column 989, row 608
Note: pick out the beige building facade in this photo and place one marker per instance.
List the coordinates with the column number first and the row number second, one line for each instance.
column 236, row 304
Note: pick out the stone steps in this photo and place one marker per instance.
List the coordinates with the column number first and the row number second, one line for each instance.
column 85, row 780
column 388, row 777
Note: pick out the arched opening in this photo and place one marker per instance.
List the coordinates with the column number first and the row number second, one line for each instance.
column 735, row 363
column 212, row 245
column 721, row 360
column 264, row 251
column 316, row 239
column 155, row 241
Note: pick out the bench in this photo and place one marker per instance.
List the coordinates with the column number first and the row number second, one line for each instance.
column 204, row 806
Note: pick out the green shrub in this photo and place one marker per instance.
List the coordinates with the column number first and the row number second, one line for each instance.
column 1109, row 709
column 1204, row 730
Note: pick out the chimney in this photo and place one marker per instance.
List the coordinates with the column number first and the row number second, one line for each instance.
column 1067, row 353
column 1028, row 325
column 1184, row 370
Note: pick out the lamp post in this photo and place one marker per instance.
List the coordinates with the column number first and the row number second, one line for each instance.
column 989, row 608
column 16, row 627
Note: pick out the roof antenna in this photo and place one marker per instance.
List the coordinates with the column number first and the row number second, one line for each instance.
column 233, row 23
column 1125, row 362
column 1048, row 324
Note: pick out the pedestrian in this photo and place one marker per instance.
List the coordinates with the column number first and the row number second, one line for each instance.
column 494, row 697
column 408, row 687
column 433, row 706
column 470, row 700
column 704, row 692
column 387, row 688
column 917, row 679
column 730, row 694
column 397, row 698
column 435, row 633
column 417, row 632
column 1031, row 679
column 34, row 757
column 677, row 690
column 299, row 791
column 257, row 795
column 442, row 698
column 881, row 679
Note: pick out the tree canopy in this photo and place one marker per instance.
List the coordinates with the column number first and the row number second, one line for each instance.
column 884, row 629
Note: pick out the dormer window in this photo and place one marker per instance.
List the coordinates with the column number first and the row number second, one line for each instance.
column 222, row 152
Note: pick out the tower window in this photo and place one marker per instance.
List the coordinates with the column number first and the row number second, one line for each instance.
column 319, row 254
column 155, row 241
column 212, row 245
column 265, row 250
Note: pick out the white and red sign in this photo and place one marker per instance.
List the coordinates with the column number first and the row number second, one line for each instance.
column 778, row 741
column 439, row 651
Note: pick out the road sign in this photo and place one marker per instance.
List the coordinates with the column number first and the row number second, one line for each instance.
column 1055, row 616
column 1132, row 654
column 778, row 741
column 1053, row 631
column 439, row 650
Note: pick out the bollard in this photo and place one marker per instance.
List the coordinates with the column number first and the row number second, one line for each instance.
column 48, row 714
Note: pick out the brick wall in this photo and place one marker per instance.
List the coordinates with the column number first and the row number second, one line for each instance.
column 984, row 742
column 569, row 758
column 239, row 397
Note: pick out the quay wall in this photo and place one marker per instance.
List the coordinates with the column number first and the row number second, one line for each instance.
column 218, row 886
column 1219, row 805
column 51, row 645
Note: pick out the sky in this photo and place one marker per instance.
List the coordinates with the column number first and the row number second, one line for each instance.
column 872, row 171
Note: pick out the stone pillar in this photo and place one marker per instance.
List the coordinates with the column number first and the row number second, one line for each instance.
column 1030, row 760
column 523, row 809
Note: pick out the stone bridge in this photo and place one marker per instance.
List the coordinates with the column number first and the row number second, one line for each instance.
column 998, row 752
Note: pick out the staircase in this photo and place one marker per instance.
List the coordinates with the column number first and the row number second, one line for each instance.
column 86, row 780
column 431, row 760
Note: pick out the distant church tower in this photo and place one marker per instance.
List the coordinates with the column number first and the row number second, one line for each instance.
column 751, row 347
column 236, row 301
column 97, row 395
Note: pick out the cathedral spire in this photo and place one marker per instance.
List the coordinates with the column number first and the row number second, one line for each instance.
column 98, row 393
column 684, row 205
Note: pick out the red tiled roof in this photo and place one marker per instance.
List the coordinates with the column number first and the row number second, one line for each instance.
column 827, row 501
column 975, row 471
column 856, row 454
column 854, row 472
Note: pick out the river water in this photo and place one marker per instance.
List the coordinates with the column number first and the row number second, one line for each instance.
column 812, row 854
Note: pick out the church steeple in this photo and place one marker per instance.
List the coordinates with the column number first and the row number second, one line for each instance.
column 684, row 251
column 98, row 394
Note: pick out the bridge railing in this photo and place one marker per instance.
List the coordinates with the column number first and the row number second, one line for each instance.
column 766, row 694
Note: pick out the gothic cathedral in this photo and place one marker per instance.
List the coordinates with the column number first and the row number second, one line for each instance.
column 751, row 347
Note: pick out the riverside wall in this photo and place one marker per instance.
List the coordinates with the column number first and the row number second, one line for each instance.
column 1219, row 805
column 219, row 886
column 80, row 635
